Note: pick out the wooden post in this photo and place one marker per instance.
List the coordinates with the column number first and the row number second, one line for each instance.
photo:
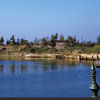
column 92, row 58
column 80, row 58
column 86, row 59
column 97, row 57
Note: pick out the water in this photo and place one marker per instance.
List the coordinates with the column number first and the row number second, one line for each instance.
column 45, row 78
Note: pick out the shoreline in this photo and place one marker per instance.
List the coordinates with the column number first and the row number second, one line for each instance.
column 55, row 56
column 71, row 56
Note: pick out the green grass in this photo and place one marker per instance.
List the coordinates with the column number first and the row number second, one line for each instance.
column 46, row 50
column 95, row 49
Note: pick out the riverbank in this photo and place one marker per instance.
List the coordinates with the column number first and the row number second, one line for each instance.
column 51, row 56
column 22, row 55
column 69, row 56
column 55, row 56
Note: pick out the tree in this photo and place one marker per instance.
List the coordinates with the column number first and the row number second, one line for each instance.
column 44, row 42
column 18, row 42
column 30, row 44
column 52, row 37
column 1, row 40
column 24, row 42
column 71, row 41
column 98, row 40
column 61, row 38
column 77, row 43
column 89, row 44
column 12, row 39
column 74, row 41
column 36, row 40
column 56, row 36
column 32, row 50
column 52, row 41
column 8, row 42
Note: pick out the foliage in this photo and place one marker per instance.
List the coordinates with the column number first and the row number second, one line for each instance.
column 52, row 50
column 18, row 42
column 98, row 40
column 43, row 50
column 56, row 36
column 44, row 42
column 12, row 39
column 36, row 40
column 71, row 41
column 48, row 45
column 32, row 50
column 1, row 40
column 61, row 38
column 8, row 42
column 95, row 49
column 47, row 50
column 52, row 41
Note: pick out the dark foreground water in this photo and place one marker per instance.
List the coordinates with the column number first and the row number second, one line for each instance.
column 45, row 78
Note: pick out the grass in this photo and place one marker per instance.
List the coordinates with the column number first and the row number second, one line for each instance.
column 47, row 50
column 95, row 49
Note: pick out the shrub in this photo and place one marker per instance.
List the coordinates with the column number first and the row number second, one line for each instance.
column 52, row 50
column 47, row 50
column 43, row 50
column 95, row 49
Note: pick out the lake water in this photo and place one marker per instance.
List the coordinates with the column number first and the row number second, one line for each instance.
column 45, row 78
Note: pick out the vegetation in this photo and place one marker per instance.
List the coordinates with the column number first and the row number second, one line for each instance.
column 62, row 38
column 95, row 49
column 49, row 45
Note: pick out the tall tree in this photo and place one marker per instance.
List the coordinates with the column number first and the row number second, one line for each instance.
column 52, row 37
column 1, row 40
column 71, row 41
column 61, row 38
column 24, row 42
column 36, row 40
column 52, row 41
column 18, row 42
column 98, row 40
column 12, row 39
column 56, row 36
column 8, row 42
column 44, row 42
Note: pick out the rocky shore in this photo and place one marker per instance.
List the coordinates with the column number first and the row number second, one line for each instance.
column 56, row 56
column 70, row 56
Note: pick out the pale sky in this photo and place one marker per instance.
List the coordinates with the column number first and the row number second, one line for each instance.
column 40, row 18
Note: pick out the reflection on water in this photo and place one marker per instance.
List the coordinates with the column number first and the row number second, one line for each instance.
column 44, row 78
column 19, row 66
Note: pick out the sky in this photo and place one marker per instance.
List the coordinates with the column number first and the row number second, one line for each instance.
column 40, row 18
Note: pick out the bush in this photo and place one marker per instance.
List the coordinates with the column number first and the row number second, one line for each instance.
column 43, row 50
column 32, row 50
column 60, row 57
column 52, row 50
column 47, row 50
column 95, row 49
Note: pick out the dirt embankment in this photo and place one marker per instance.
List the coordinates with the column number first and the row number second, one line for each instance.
column 67, row 56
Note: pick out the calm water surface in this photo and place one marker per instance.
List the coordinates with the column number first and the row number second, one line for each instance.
column 45, row 78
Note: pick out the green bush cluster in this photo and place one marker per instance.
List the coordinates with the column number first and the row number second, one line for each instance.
column 46, row 50
column 95, row 49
